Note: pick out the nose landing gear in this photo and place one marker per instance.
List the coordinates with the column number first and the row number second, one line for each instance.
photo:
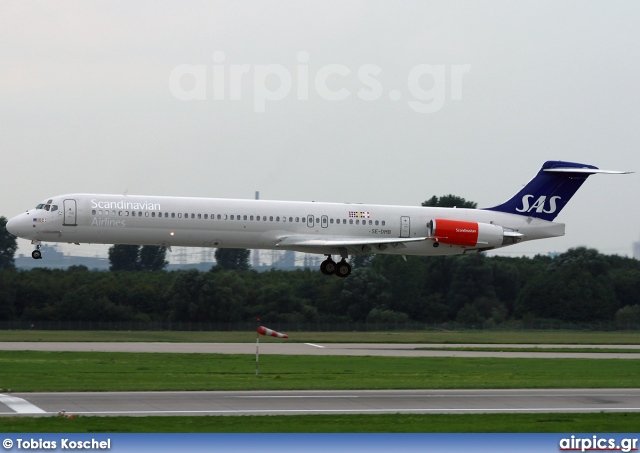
column 36, row 254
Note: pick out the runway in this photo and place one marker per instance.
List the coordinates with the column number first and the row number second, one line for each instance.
column 345, row 349
column 321, row 402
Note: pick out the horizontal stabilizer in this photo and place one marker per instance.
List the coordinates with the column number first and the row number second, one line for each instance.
column 589, row 171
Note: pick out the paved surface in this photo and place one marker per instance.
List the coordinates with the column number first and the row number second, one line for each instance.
column 321, row 402
column 348, row 349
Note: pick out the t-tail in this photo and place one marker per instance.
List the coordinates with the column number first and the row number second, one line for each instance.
column 550, row 191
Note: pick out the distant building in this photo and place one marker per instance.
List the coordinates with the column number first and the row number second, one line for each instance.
column 52, row 258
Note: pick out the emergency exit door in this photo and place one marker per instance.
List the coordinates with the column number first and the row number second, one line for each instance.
column 69, row 213
column 405, row 227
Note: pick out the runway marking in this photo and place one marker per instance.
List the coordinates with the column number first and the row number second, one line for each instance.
column 355, row 411
column 20, row 405
column 315, row 345
column 297, row 396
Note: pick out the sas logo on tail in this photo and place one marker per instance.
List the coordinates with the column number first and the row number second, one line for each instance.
column 539, row 205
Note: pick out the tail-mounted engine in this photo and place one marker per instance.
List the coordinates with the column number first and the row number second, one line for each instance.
column 470, row 234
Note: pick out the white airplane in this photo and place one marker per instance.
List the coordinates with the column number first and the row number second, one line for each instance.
column 324, row 228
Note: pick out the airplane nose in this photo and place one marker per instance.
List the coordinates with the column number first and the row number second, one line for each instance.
column 12, row 226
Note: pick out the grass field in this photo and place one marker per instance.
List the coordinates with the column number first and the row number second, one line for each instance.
column 398, row 423
column 31, row 371
column 431, row 336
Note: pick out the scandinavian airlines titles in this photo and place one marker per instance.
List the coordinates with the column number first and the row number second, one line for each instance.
column 145, row 206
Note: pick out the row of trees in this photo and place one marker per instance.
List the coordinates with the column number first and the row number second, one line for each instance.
column 581, row 285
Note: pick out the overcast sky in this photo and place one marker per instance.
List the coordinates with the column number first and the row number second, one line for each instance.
column 360, row 101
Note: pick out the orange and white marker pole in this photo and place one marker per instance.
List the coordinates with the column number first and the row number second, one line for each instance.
column 268, row 332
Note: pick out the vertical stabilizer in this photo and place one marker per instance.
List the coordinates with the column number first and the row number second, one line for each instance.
column 549, row 192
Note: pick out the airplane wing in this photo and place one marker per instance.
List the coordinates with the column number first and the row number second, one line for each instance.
column 355, row 245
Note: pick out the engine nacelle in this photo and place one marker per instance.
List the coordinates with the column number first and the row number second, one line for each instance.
column 466, row 234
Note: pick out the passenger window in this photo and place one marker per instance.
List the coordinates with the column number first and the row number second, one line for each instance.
column 199, row 216
column 179, row 215
column 153, row 214
column 290, row 219
column 244, row 217
column 270, row 218
column 278, row 219
column 251, row 218
column 206, row 216
column 93, row 212
column 219, row 216
column 351, row 221
column 383, row 223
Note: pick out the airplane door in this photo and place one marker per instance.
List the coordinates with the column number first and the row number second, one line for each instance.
column 69, row 213
column 405, row 227
column 325, row 221
column 310, row 221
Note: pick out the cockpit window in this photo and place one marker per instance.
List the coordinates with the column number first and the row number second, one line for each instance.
column 54, row 207
column 47, row 207
column 40, row 206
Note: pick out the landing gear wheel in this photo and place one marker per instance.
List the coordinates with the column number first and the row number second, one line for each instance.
column 36, row 255
column 328, row 267
column 343, row 269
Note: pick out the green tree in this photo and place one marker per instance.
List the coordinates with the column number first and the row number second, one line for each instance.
column 449, row 201
column 152, row 258
column 8, row 246
column 233, row 259
column 576, row 286
column 628, row 316
column 124, row 257
column 364, row 290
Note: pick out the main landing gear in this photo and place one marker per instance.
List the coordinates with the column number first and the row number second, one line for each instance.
column 37, row 254
column 341, row 269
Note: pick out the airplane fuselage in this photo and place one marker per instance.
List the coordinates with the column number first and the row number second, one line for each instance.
column 263, row 224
